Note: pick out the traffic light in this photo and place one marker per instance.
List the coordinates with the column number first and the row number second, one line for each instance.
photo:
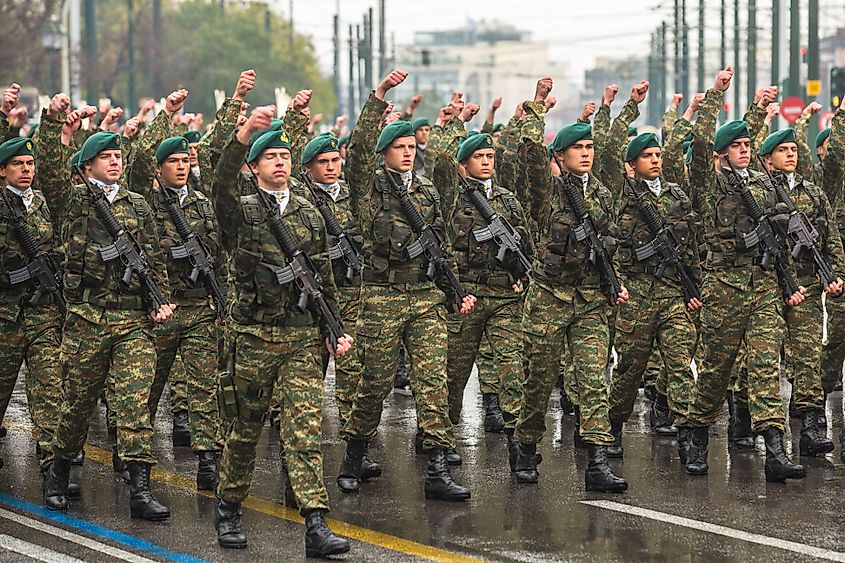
column 837, row 86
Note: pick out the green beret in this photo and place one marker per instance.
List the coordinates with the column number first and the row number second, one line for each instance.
column 632, row 132
column 394, row 131
column 97, row 143
column 421, row 122
column 820, row 138
column 74, row 160
column 18, row 146
column 275, row 125
column 498, row 127
column 171, row 145
column 193, row 136
column 319, row 145
column 472, row 144
column 775, row 139
column 32, row 131
column 570, row 135
column 730, row 132
column 473, row 133
column 269, row 140
column 342, row 141
column 640, row 143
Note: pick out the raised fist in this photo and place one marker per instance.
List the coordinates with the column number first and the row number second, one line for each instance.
column 175, row 101
column 497, row 103
column 723, row 79
column 59, row 105
column 246, row 82
column 301, row 100
column 588, row 111
column 609, row 94
column 544, row 86
column 11, row 96
column 392, row 80
column 639, row 91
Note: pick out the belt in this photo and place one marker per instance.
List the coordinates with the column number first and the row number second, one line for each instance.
column 193, row 293
column 276, row 320
column 490, row 279
column 122, row 303
column 572, row 280
column 392, row 276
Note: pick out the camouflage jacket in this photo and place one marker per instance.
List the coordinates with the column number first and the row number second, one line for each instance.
column 610, row 154
column 211, row 144
column 830, row 173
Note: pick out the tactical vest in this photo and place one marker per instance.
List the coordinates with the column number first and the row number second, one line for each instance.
column 258, row 296
column 12, row 254
column 808, row 200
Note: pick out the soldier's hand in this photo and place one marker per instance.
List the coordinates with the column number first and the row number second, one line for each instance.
column 392, row 80
column 130, row 128
column 769, row 95
column 519, row 111
column 163, row 314
column 175, row 101
column 544, row 87
column 196, row 122
column 391, row 117
column 639, row 91
column 517, row 287
column 694, row 305
column 317, row 119
column 772, row 111
column 623, row 297
column 588, row 111
column 723, row 79
column 340, row 122
column 240, row 122
column 835, row 288
column 693, row 106
column 244, row 107
column 59, row 106
column 11, row 96
column 445, row 115
column 17, row 117
column 415, row 102
column 609, row 94
column 813, row 108
column 259, row 119
column 344, row 345
column 677, row 98
column 550, row 103
column 469, row 112
column 112, row 117
column 245, row 84
column 301, row 100
column 796, row 298
column 467, row 305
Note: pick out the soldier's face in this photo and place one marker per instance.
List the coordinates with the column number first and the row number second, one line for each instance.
column 194, row 154
column 400, row 154
column 19, row 171
column 496, row 136
column 649, row 164
column 106, row 167
column 554, row 167
column 784, row 157
column 578, row 158
column 481, row 163
column 174, row 170
column 326, row 168
column 739, row 152
column 421, row 134
column 272, row 168
column 822, row 149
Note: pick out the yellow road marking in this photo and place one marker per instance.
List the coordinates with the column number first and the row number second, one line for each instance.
column 365, row 535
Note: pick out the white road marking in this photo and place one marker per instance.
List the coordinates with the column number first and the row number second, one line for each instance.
column 94, row 545
column 34, row 551
column 795, row 547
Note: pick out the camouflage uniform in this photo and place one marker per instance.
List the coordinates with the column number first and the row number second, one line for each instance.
column 272, row 344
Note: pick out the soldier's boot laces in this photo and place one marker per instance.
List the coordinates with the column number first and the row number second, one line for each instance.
column 811, row 442
column 513, row 448
column 370, row 469
column 684, row 438
column 576, row 434
column 779, row 468
column 73, row 492
column 117, row 464
column 599, row 477
column 228, row 524
column 207, row 470
column 349, row 478
column 181, row 432
column 526, row 463
column 438, row 479
column 616, row 450
column 742, row 435
column 493, row 419
column 662, row 419
column 55, row 484
column 697, row 459
column 142, row 504
column 320, row 541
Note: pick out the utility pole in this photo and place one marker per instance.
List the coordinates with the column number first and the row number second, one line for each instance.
column 662, row 72
column 813, row 59
column 751, row 75
column 778, row 22
column 650, row 110
column 382, row 41
column 737, row 113
column 723, row 55
column 676, row 34
column 290, row 29
column 350, row 98
column 360, row 47
column 793, row 84
column 158, row 83
column 93, row 79
column 700, row 65
column 130, row 48
column 368, row 64
column 685, row 63
column 336, row 60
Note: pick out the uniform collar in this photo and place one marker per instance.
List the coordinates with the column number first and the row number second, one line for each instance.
column 27, row 196
column 654, row 186
column 332, row 189
column 110, row 190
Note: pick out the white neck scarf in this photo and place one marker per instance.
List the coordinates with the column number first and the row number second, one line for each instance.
column 282, row 197
column 27, row 195
column 654, row 186
column 332, row 189
column 109, row 189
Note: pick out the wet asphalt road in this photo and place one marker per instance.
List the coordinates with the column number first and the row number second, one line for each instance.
column 731, row 515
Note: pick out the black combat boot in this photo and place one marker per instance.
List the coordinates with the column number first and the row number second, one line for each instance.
column 228, row 524
column 576, row 434
column 290, row 495
column 142, row 504
column 661, row 417
column 616, row 450
column 117, row 464
column 566, row 406
column 821, row 422
column 811, row 442
column 778, row 467
column 599, row 477
column 438, row 480
column 79, row 459
column 513, row 447
column 684, row 437
column 207, row 470
column 697, row 458
column 400, row 378
column 526, row 463
column 181, row 433
column 319, row 539
column 493, row 419
column 56, row 483
column 349, row 478
column 453, row 457
column 369, row 468
column 650, row 392
column 742, row 436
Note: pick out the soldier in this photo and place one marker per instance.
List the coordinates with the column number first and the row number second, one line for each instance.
column 194, row 176
column 107, row 331
column 803, row 344
column 742, row 298
column 565, row 304
column 658, row 317
column 272, row 343
column 422, row 128
column 399, row 303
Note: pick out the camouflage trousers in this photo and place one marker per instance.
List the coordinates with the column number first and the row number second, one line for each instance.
column 497, row 316
column 34, row 338
column 267, row 358
column 192, row 336
column 550, row 321
column 415, row 317
column 731, row 316
column 647, row 323
column 655, row 374
column 803, row 349
column 485, row 360
column 120, row 346
column 833, row 353
column 177, row 382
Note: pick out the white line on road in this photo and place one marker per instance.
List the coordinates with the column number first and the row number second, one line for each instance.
column 768, row 541
column 33, row 551
column 106, row 549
